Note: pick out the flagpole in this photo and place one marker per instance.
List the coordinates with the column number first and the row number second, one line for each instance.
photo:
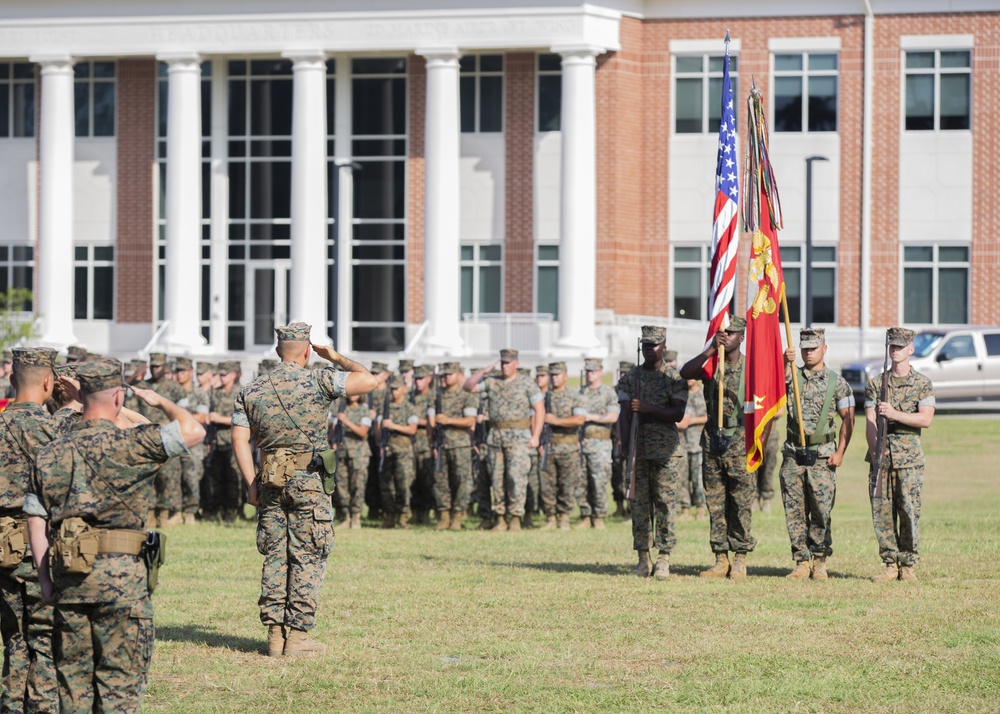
column 722, row 381
column 795, row 376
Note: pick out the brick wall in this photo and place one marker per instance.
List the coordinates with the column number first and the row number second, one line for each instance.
column 136, row 126
column 519, row 183
column 416, row 83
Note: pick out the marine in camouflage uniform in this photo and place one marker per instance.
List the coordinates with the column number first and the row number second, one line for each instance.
column 422, row 493
column 729, row 490
column 223, row 496
column 909, row 408
column 354, row 456
column 808, row 492
column 168, row 479
column 196, row 401
column 512, row 435
column 375, row 400
column 453, row 482
column 29, row 673
column 101, row 475
column 603, row 410
column 6, row 388
column 398, row 470
column 656, row 395
column 285, row 412
column 541, row 487
column 618, row 456
column 565, row 414
column 691, row 427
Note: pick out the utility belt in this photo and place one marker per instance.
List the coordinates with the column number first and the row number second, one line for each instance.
column 400, row 441
column 565, row 439
column 811, row 439
column 278, row 466
column 598, row 434
column 897, row 428
column 13, row 541
column 514, row 424
column 77, row 545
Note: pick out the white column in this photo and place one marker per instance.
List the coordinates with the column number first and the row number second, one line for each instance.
column 308, row 275
column 345, row 197
column 219, row 230
column 54, row 260
column 441, row 219
column 577, row 209
column 182, row 283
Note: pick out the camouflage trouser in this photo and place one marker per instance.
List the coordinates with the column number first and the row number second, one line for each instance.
column 900, row 502
column 29, row 673
column 168, row 485
column 352, row 479
column 222, row 488
column 481, row 482
column 729, row 493
column 295, row 536
column 453, row 483
column 595, row 473
column 509, row 476
column 808, row 493
column 772, row 457
column 533, row 494
column 102, row 654
column 692, row 489
column 657, row 484
column 396, row 479
column 373, row 490
column 618, row 478
column 192, row 471
column 422, row 490
column 561, row 475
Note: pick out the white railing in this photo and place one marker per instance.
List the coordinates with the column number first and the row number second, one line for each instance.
column 411, row 347
column 524, row 331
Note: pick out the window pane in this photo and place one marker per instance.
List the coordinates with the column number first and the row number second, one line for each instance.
column 379, row 292
column 687, row 293
column 822, row 62
column 80, row 288
column 4, row 110
column 917, row 295
column 549, row 100
column 824, row 291
column 104, row 69
column 548, row 252
column 379, row 147
column 24, row 111
column 955, row 95
column 919, row 60
column 822, row 104
column 386, row 65
column 466, row 290
column 467, row 252
column 206, row 292
column 955, row 59
column 80, row 252
column 787, row 63
column 104, row 252
column 548, row 291
column 693, row 64
column 23, row 277
column 715, row 64
column 467, row 96
column 490, row 103
column 81, row 103
column 793, row 293
column 270, row 189
column 920, row 102
column 237, row 292
column 715, row 103
column 687, row 255
column 489, row 289
column 467, row 64
column 378, row 190
column 953, row 254
column 235, row 338
column 953, row 300
column 491, row 63
column 379, row 106
column 791, row 254
column 271, row 107
column 920, row 253
column 104, row 291
column 237, row 109
column 788, row 104
column 688, row 106
column 489, row 252
column 263, row 305
column 824, row 254
column 378, row 339
column 104, row 109
column 549, row 62
column 331, row 107
column 380, row 231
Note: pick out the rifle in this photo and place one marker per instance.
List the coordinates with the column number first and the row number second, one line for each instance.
column 581, row 431
column 882, row 424
column 633, row 434
column 545, row 440
column 438, row 437
column 383, row 442
column 478, row 436
column 210, row 432
column 337, row 433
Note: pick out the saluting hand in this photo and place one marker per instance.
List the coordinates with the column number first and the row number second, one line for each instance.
column 151, row 398
column 326, row 352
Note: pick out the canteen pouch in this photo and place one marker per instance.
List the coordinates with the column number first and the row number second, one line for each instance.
column 805, row 457
column 154, row 555
column 325, row 464
column 76, row 546
column 13, row 541
column 277, row 468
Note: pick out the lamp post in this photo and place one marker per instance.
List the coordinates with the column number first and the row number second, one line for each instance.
column 809, row 245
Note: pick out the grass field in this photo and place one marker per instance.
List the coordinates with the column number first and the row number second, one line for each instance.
column 548, row 621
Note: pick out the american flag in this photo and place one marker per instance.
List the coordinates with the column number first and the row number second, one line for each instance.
column 725, row 240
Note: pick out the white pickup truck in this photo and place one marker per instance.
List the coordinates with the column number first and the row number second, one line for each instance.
column 962, row 362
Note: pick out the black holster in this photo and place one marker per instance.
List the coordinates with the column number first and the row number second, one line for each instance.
column 805, row 456
column 719, row 443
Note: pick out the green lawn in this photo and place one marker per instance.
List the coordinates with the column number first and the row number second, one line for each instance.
column 547, row 621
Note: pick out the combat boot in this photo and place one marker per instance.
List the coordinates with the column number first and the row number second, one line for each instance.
column 685, row 515
column 765, row 505
column 388, row 520
column 550, row 522
column 584, row 524
column 620, row 509
column 890, row 573
column 403, row 520
column 720, row 569
column 189, row 519
column 801, row 571
column 355, row 521
column 275, row 640
column 527, row 522
column 739, row 569
column 644, row 567
column 819, row 568
column 661, row 571
column 444, row 521
column 486, row 524
column 162, row 517
column 515, row 523
column 300, row 643
column 564, row 521
column 500, row 526
column 699, row 514
column 456, row 520
column 176, row 519
column 598, row 523
column 906, row 573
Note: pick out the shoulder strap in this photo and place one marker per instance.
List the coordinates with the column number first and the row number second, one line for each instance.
column 111, row 488
column 311, row 440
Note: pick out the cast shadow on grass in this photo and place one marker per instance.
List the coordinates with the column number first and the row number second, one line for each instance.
column 592, row 568
column 198, row 635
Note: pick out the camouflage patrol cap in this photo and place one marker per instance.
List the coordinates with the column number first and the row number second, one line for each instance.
column 450, row 368
column 736, row 324
column 557, row 368
column 293, row 332
column 204, row 367
column 157, row 359
column 138, row 362
column 810, row 337
column 525, row 372
column 67, row 370
column 379, row 367
column 653, row 334
column 494, row 374
column 625, row 365
column 592, row 364
column 423, row 370
column 541, row 369
column 508, row 355
column 98, row 376
column 267, row 364
column 231, row 365
column 75, row 353
column 183, row 363
column 405, row 365
column 32, row 357
column 899, row 336
column 7, row 356
column 670, row 355
column 396, row 381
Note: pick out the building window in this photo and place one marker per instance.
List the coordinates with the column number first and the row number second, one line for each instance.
column 691, row 266
column 824, row 283
column 17, row 100
column 698, row 92
column 938, row 90
column 93, row 282
column 17, row 270
column 549, row 92
column 936, row 284
column 378, row 128
column 482, row 279
column 805, row 92
column 547, row 281
column 481, row 91
column 94, row 98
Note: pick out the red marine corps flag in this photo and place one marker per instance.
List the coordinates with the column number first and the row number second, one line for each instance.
column 765, row 366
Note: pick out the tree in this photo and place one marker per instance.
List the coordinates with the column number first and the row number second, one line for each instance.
column 14, row 325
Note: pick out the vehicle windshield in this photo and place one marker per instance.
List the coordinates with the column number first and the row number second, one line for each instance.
column 925, row 342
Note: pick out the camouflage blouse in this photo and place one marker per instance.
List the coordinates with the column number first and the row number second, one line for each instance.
column 658, row 440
